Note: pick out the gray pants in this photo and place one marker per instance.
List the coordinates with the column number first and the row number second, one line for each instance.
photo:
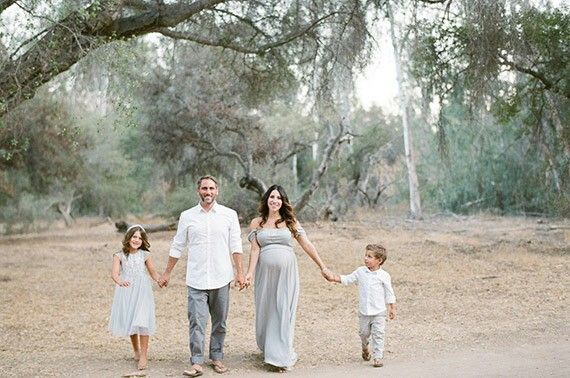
column 201, row 304
column 371, row 330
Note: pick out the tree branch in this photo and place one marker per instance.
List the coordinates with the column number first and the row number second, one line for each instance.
column 434, row 1
column 297, row 148
column 548, row 85
column 245, row 49
column 4, row 4
column 80, row 32
column 253, row 183
column 332, row 146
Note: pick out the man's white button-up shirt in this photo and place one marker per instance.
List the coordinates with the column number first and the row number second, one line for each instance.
column 211, row 237
column 374, row 289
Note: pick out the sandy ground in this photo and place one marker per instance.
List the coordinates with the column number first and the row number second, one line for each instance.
column 477, row 296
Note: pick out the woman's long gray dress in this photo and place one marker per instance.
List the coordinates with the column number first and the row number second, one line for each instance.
column 276, row 295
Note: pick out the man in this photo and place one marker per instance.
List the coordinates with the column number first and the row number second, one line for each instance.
column 210, row 232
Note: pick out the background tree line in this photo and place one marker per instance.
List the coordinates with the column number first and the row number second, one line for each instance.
column 116, row 107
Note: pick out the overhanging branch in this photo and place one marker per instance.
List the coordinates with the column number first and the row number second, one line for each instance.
column 548, row 84
column 244, row 49
column 4, row 4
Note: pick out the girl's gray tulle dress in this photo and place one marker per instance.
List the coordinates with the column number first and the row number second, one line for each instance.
column 133, row 309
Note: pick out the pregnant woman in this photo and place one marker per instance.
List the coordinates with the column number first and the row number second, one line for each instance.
column 274, row 264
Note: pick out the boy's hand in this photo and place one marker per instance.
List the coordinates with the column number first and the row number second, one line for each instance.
column 326, row 272
column 392, row 311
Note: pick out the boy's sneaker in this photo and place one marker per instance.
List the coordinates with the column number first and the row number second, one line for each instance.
column 378, row 362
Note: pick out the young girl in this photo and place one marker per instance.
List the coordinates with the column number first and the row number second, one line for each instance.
column 132, row 313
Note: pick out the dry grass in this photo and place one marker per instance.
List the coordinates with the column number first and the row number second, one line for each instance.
column 461, row 283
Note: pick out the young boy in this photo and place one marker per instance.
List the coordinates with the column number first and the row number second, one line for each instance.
column 375, row 294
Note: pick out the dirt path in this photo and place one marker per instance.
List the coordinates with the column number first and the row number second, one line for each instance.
column 477, row 296
column 550, row 359
column 544, row 360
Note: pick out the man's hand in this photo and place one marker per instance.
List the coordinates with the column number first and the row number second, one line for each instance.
column 240, row 281
column 163, row 280
column 248, row 280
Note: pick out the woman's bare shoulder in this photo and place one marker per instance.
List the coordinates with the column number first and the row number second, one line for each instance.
column 255, row 223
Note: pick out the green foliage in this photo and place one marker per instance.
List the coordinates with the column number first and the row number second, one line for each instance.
column 118, row 172
column 365, row 168
column 514, row 64
column 41, row 142
column 26, row 213
column 473, row 50
column 492, row 167
column 131, row 127
column 547, row 42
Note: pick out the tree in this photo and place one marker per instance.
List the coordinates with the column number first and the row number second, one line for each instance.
column 82, row 29
column 40, row 158
column 413, row 186
column 474, row 45
column 210, row 119
column 67, row 32
column 509, row 59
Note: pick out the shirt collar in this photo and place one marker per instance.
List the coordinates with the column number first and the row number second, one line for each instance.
column 213, row 209
column 373, row 271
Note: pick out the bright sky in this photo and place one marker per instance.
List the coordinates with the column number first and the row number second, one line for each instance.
column 377, row 85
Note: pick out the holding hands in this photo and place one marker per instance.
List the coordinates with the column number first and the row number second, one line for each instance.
column 240, row 282
column 163, row 280
column 329, row 275
column 248, row 280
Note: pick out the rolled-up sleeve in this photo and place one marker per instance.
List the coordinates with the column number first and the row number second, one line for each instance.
column 180, row 240
column 389, row 295
column 235, row 234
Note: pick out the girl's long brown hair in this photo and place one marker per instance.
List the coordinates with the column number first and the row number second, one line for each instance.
column 286, row 212
column 129, row 234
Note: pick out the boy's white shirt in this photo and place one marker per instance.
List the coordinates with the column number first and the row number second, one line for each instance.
column 374, row 289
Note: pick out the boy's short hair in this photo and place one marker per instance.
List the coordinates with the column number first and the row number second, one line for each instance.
column 378, row 250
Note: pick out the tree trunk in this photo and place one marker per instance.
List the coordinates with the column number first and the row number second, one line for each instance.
column 550, row 159
column 122, row 226
column 295, row 175
column 64, row 208
column 332, row 146
column 558, row 125
column 253, row 183
column 415, row 204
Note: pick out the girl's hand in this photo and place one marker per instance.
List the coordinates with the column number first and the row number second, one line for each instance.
column 124, row 283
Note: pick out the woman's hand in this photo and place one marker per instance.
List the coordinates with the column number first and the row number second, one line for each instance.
column 248, row 280
column 328, row 274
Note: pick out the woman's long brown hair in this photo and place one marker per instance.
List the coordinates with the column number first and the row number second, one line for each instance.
column 286, row 212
